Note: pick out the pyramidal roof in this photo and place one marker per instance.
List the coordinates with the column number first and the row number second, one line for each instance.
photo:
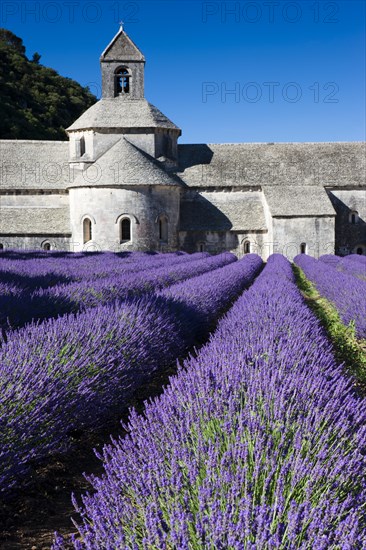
column 122, row 47
column 118, row 113
column 124, row 164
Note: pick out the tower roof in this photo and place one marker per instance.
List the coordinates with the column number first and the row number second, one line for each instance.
column 124, row 164
column 122, row 47
column 116, row 113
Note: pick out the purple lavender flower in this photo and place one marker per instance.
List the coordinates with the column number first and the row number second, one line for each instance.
column 258, row 442
column 346, row 292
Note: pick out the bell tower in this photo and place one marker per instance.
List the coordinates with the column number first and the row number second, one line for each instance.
column 122, row 111
column 123, row 67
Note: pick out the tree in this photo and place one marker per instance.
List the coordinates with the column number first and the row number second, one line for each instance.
column 36, row 57
column 35, row 101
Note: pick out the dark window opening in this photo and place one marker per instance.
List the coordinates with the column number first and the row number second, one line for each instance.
column 201, row 247
column 46, row 246
column 82, row 146
column 122, row 81
column 87, row 230
column 354, row 217
column 247, row 247
column 1, row 246
column 303, row 248
column 125, row 230
column 359, row 251
column 163, row 229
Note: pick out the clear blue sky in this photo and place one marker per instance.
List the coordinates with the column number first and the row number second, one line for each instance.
column 296, row 69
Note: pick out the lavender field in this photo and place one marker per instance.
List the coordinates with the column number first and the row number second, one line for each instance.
column 259, row 439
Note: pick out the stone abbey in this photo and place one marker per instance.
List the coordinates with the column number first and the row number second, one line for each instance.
column 122, row 182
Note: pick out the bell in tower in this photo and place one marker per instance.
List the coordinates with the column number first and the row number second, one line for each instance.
column 123, row 67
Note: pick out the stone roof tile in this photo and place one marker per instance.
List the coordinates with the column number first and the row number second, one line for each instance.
column 121, row 113
column 298, row 200
column 28, row 164
column 42, row 221
column 124, row 164
column 122, row 47
column 251, row 164
column 223, row 211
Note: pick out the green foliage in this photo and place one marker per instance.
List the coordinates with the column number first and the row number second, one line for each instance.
column 35, row 101
column 348, row 349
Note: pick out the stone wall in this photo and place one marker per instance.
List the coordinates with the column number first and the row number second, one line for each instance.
column 317, row 233
column 36, row 242
column 349, row 236
column 136, row 80
column 142, row 204
column 216, row 242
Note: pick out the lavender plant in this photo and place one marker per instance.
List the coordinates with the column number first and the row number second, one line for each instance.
column 70, row 373
column 356, row 258
column 258, row 442
column 349, row 267
column 31, row 271
column 44, row 303
column 346, row 292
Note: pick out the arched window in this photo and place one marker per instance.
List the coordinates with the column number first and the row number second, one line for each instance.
column 246, row 247
column 163, row 228
column 1, row 246
column 353, row 218
column 122, row 81
column 201, row 247
column 359, row 251
column 46, row 246
column 125, row 230
column 303, row 248
column 87, row 230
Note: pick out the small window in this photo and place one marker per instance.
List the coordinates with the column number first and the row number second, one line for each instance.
column 125, row 230
column 1, row 246
column 247, row 247
column 163, row 229
column 46, row 246
column 122, row 81
column 82, row 146
column 353, row 217
column 201, row 247
column 87, row 230
column 303, row 248
column 359, row 251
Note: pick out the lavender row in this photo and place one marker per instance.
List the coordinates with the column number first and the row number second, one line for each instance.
column 346, row 292
column 349, row 267
column 201, row 295
column 71, row 373
column 259, row 442
column 356, row 258
column 29, row 274
column 18, row 309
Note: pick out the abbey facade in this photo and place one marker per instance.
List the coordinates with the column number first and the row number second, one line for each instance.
column 122, row 182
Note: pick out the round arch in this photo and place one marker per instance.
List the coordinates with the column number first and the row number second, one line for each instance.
column 132, row 217
column 47, row 245
column 122, row 80
column 162, row 215
column 246, row 245
column 360, row 249
column 88, row 216
column 162, row 222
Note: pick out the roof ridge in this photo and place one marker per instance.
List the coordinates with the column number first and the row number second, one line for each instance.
column 119, row 33
column 48, row 141
column 276, row 143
